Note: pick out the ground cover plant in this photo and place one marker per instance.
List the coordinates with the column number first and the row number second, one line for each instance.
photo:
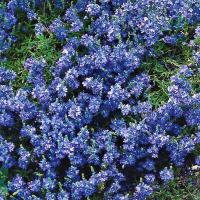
column 99, row 99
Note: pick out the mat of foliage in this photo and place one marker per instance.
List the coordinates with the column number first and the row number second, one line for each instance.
column 84, row 126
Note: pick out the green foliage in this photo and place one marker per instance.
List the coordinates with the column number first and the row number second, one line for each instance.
column 44, row 46
column 177, row 190
column 3, row 180
column 167, row 62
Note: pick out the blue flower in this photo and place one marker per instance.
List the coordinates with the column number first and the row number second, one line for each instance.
column 166, row 175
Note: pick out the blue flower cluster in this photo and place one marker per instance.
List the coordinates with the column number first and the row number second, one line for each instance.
column 92, row 131
column 7, row 22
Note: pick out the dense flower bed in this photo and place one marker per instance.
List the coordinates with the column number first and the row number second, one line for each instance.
column 92, row 131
